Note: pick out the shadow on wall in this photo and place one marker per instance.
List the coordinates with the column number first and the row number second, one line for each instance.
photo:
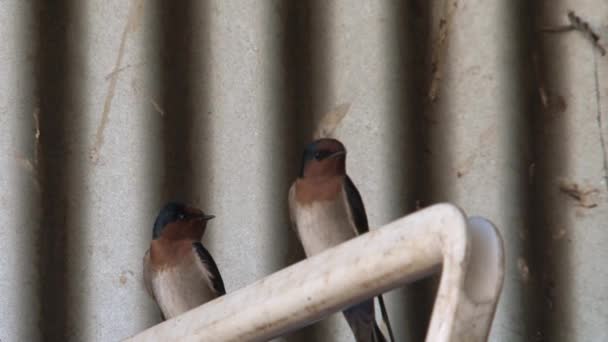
column 302, row 66
column 60, row 171
column 548, row 162
column 410, row 122
column 183, row 56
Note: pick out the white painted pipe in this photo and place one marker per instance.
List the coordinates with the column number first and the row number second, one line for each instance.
column 385, row 258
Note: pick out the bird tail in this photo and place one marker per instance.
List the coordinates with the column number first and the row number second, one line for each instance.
column 384, row 313
column 378, row 335
column 361, row 320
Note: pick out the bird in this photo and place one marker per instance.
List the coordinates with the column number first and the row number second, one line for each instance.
column 179, row 273
column 326, row 209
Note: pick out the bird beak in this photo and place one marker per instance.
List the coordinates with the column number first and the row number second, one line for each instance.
column 336, row 154
column 202, row 217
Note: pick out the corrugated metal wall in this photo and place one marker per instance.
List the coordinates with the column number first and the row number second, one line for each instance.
column 108, row 108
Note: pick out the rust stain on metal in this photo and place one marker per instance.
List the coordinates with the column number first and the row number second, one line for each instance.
column 123, row 278
column 585, row 196
column 133, row 22
column 439, row 48
column 465, row 166
column 560, row 104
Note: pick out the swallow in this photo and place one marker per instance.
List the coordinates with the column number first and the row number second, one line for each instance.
column 179, row 273
column 326, row 209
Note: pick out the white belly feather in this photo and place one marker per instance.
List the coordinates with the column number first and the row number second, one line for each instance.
column 182, row 288
column 324, row 224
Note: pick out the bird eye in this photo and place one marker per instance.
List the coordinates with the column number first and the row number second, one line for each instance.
column 181, row 216
column 318, row 155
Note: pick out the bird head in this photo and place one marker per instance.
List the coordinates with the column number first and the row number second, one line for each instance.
column 323, row 158
column 177, row 220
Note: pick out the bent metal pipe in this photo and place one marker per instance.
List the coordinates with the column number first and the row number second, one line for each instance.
column 469, row 251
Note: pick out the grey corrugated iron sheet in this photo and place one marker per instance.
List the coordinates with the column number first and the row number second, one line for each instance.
column 109, row 108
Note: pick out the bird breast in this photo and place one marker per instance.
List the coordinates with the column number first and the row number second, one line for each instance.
column 324, row 224
column 182, row 286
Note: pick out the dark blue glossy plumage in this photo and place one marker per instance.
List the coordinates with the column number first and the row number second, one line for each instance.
column 205, row 256
column 169, row 213
column 356, row 206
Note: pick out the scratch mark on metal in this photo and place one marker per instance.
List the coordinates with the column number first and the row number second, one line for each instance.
column 578, row 24
column 598, row 105
column 36, row 115
column 583, row 27
column 157, row 107
column 134, row 13
column 114, row 72
column 439, row 49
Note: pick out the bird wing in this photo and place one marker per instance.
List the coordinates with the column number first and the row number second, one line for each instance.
column 357, row 210
column 359, row 217
column 292, row 208
column 209, row 263
column 148, row 274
